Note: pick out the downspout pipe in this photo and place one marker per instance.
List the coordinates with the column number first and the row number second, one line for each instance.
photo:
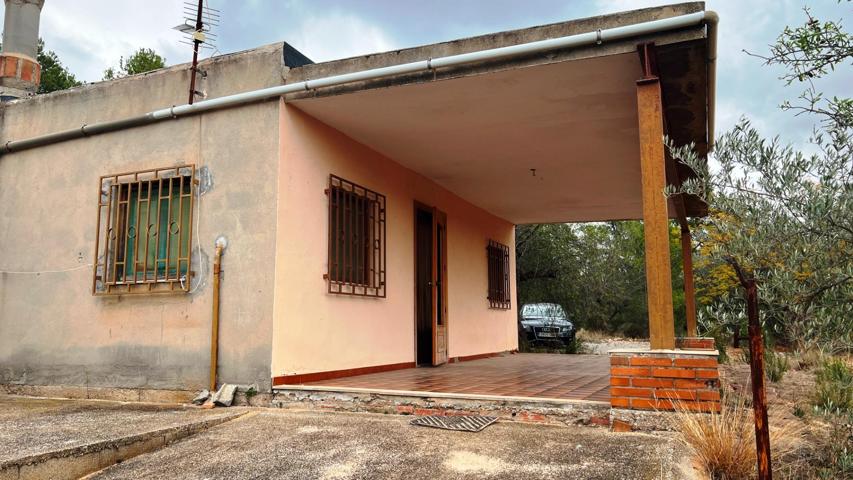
column 572, row 41
column 220, row 245
column 712, row 21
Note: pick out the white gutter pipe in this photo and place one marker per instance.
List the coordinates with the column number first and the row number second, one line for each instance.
column 592, row 38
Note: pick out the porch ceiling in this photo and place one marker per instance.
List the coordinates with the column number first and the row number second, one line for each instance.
column 479, row 136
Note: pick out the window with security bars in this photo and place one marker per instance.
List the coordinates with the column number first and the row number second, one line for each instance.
column 498, row 259
column 356, row 260
column 144, row 241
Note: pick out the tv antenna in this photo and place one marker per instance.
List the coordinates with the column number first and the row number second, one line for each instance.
column 199, row 20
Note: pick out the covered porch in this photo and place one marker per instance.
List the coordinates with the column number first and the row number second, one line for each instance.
column 573, row 135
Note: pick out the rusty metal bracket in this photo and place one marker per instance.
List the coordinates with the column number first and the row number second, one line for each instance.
column 648, row 63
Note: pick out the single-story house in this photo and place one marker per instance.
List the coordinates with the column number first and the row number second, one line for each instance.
column 299, row 221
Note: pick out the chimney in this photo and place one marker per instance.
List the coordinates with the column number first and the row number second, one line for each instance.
column 19, row 70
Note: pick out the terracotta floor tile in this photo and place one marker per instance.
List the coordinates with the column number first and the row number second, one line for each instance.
column 522, row 375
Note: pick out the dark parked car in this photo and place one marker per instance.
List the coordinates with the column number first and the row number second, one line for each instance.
column 546, row 323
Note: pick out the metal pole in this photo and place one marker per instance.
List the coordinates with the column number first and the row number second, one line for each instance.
column 196, row 42
column 759, row 398
column 214, row 334
column 689, row 289
column 756, row 368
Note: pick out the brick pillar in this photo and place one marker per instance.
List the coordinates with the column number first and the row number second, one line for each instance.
column 664, row 380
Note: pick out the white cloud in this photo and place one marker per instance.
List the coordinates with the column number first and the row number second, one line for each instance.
column 91, row 36
column 337, row 35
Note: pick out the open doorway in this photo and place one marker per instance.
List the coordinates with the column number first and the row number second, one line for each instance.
column 430, row 285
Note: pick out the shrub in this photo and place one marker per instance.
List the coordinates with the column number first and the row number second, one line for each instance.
column 834, row 387
column 836, row 459
column 775, row 365
column 811, row 358
column 724, row 443
column 745, row 356
column 575, row 346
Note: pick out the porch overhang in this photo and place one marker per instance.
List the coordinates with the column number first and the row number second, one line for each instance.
column 541, row 139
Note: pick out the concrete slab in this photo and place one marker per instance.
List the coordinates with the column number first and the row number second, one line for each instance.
column 35, row 426
column 287, row 444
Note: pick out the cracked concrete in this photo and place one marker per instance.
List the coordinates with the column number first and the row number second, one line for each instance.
column 35, row 426
column 299, row 444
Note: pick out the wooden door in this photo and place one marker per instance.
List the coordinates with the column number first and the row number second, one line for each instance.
column 439, row 284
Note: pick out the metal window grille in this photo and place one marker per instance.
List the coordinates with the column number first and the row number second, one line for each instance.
column 498, row 259
column 144, row 237
column 356, row 261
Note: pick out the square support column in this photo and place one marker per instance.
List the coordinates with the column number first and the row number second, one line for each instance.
column 655, row 216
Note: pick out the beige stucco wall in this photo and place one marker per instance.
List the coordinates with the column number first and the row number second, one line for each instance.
column 315, row 331
column 52, row 330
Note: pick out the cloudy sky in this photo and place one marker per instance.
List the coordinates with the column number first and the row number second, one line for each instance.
column 90, row 35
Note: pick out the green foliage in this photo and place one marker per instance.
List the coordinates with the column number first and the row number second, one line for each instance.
column 251, row 392
column 54, row 75
column 775, row 365
column 836, row 459
column 798, row 411
column 595, row 271
column 575, row 346
column 141, row 61
column 834, row 387
column 809, row 52
column 783, row 215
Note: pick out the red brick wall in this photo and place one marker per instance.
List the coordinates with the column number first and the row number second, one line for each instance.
column 695, row 343
column 19, row 68
column 664, row 381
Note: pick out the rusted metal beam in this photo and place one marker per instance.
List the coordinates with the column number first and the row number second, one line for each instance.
column 689, row 288
column 756, row 368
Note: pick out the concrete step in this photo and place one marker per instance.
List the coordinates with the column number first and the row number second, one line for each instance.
column 80, row 460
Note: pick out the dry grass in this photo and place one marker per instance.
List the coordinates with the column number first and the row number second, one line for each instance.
column 724, row 443
column 598, row 336
column 595, row 336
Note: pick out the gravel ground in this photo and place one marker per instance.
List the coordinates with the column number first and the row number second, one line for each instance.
column 30, row 426
column 270, row 443
column 601, row 348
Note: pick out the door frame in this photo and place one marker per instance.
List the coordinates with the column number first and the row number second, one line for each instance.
column 436, row 215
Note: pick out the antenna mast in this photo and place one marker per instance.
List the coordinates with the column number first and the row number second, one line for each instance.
column 198, row 20
column 196, row 42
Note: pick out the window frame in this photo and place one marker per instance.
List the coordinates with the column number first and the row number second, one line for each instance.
column 356, row 255
column 123, row 200
column 498, row 294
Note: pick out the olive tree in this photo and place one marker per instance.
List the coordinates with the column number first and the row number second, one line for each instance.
column 783, row 216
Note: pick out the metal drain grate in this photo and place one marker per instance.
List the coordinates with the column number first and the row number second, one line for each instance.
column 460, row 423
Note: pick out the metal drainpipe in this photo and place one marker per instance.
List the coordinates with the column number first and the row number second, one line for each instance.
column 712, row 20
column 214, row 324
column 597, row 37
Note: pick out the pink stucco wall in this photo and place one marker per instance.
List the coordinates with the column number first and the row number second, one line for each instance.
column 314, row 331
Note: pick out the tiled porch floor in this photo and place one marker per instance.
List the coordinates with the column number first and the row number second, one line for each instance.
column 551, row 376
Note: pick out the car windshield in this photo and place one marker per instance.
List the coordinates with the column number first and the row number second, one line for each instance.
column 543, row 310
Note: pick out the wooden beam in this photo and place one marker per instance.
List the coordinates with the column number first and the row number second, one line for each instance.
column 689, row 290
column 655, row 216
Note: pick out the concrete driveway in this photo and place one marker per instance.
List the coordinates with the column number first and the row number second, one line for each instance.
column 284, row 444
column 67, row 439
